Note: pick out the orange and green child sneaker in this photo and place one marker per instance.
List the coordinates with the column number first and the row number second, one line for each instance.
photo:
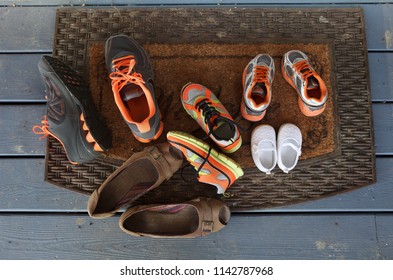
column 212, row 167
column 204, row 107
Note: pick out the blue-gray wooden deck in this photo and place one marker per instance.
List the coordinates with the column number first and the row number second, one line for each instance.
column 41, row 221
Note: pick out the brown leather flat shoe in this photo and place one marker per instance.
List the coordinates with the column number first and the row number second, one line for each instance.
column 141, row 173
column 197, row 217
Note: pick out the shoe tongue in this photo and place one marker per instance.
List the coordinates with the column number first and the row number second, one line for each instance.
column 131, row 91
column 224, row 131
column 259, row 89
column 312, row 83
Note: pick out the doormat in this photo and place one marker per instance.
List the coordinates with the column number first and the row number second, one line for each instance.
column 338, row 154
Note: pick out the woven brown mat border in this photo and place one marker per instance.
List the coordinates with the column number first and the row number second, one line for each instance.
column 350, row 167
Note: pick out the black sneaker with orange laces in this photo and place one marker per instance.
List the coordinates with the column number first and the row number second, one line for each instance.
column 132, row 85
column 71, row 116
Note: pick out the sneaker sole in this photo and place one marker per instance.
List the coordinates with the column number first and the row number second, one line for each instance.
column 220, row 158
column 304, row 108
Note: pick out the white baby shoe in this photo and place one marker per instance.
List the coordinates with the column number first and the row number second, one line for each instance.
column 263, row 148
column 289, row 142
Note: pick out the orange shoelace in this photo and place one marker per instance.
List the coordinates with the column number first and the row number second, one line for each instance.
column 123, row 74
column 304, row 69
column 42, row 129
column 260, row 74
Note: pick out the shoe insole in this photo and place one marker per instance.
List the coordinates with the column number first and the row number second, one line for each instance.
column 314, row 93
column 258, row 94
column 128, row 184
column 266, row 158
column 288, row 156
column 223, row 131
column 164, row 223
column 136, row 103
column 313, row 89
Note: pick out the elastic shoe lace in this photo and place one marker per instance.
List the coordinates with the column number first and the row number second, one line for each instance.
column 43, row 129
column 124, row 73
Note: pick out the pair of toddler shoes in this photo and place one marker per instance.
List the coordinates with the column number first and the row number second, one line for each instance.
column 267, row 150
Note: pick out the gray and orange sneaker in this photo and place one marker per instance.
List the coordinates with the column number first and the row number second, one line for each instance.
column 298, row 72
column 132, row 85
column 257, row 80
column 71, row 116
column 212, row 167
column 204, row 107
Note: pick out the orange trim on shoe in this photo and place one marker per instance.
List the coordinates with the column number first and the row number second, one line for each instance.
column 306, row 110
column 90, row 137
column 249, row 117
column 158, row 134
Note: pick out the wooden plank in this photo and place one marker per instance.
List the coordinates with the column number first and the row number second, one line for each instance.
column 246, row 237
column 29, row 192
column 379, row 26
column 381, row 76
column 377, row 197
column 384, row 235
column 20, row 80
column 26, row 29
column 176, row 2
column 29, row 86
column 37, row 35
column 17, row 137
column 112, row 2
column 383, row 128
column 22, row 188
